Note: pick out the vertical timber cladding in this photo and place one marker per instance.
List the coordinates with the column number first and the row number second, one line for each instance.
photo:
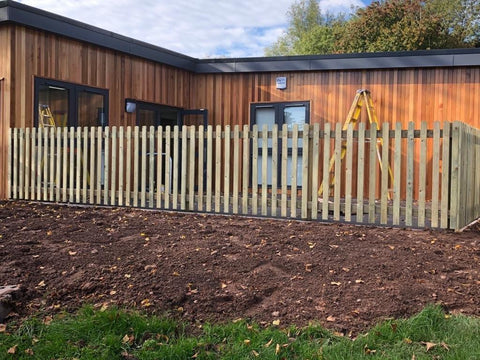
column 41, row 54
column 399, row 95
column 5, row 80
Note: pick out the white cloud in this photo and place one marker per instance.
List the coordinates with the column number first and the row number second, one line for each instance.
column 336, row 6
column 198, row 28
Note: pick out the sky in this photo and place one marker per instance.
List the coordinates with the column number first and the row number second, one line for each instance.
column 198, row 28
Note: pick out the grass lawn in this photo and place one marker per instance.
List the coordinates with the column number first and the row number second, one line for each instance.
column 119, row 334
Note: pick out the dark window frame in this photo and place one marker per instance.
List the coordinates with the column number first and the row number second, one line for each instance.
column 73, row 92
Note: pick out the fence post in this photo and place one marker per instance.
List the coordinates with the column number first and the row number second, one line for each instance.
column 455, row 171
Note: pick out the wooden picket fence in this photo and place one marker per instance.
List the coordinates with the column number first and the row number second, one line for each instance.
column 260, row 172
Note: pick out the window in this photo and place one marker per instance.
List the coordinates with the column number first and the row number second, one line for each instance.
column 151, row 114
column 271, row 114
column 70, row 104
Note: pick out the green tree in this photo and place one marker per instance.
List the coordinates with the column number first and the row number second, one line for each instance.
column 384, row 25
column 461, row 18
column 396, row 25
column 309, row 31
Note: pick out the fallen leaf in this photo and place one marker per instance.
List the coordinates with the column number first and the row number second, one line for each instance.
column 223, row 285
column 268, row 343
column 104, row 307
column 41, row 283
column 145, row 303
column 331, row 318
column 445, row 346
column 3, row 328
column 277, row 349
column 359, row 281
column 72, row 253
column 128, row 276
column 175, row 273
column 429, row 345
column 336, row 283
column 128, row 339
column 246, row 342
column 308, row 267
column 29, row 352
column 256, row 354
column 413, row 357
column 47, row 320
column 276, row 322
column 407, row 341
column 113, row 292
column 12, row 350
column 345, row 269
column 49, row 232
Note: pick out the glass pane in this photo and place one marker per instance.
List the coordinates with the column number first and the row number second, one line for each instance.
column 146, row 117
column 52, row 105
column 264, row 116
column 91, row 109
column 295, row 115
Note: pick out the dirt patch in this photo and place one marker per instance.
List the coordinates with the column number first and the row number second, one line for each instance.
column 217, row 268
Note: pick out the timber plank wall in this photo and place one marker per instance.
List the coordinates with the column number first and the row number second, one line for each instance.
column 42, row 54
column 399, row 95
column 5, row 80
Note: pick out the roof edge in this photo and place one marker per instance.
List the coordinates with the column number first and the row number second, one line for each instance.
column 14, row 12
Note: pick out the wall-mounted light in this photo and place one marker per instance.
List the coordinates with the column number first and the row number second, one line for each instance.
column 281, row 82
column 130, row 106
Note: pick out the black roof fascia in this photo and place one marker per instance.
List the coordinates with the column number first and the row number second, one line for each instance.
column 43, row 20
column 385, row 60
column 11, row 11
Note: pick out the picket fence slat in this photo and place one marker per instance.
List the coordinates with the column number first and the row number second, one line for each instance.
column 326, row 172
column 254, row 170
column 184, row 175
column 168, row 168
column 284, row 171
column 273, row 209
column 360, row 171
column 397, row 178
column 218, row 164
column 410, row 174
column 226, row 171
column 269, row 172
column 209, row 179
column 293, row 198
column 385, row 167
column 315, row 170
column 264, row 165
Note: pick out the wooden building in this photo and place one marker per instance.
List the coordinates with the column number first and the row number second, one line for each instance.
column 91, row 77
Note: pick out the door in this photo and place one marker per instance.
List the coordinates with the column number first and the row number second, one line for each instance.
column 270, row 114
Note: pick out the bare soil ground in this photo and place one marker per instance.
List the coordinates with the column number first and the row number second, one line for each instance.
column 217, row 268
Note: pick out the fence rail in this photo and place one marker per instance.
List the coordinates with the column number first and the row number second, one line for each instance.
column 273, row 172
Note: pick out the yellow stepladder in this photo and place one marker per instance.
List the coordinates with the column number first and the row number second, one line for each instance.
column 362, row 97
column 45, row 117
